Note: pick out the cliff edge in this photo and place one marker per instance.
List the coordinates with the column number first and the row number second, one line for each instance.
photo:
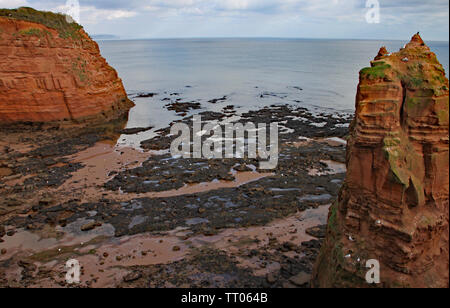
column 394, row 205
column 51, row 71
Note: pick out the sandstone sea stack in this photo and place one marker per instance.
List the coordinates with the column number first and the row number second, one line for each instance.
column 51, row 70
column 394, row 205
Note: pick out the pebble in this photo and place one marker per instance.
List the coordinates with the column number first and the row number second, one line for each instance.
column 45, row 201
column 90, row 226
column 132, row 277
column 301, row 279
column 271, row 278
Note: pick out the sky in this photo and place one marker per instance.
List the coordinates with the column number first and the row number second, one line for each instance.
column 354, row 19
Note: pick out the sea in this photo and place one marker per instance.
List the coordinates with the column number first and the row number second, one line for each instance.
column 318, row 74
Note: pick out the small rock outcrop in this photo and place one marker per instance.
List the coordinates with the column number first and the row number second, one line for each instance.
column 394, row 205
column 51, row 70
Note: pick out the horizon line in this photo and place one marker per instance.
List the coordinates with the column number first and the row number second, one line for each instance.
column 119, row 38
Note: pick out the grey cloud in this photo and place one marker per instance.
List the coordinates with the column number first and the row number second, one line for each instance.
column 328, row 14
column 260, row 6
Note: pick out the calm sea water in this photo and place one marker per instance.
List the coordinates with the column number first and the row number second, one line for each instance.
column 318, row 74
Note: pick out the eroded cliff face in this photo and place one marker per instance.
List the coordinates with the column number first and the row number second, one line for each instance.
column 394, row 205
column 51, row 70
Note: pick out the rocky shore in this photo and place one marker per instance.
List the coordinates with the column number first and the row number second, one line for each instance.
column 135, row 216
column 233, row 224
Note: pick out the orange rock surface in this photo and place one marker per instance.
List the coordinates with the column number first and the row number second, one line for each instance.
column 49, row 75
column 394, row 205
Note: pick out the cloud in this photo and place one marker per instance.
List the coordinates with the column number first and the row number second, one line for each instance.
column 284, row 17
column 11, row 4
column 91, row 12
column 334, row 9
column 93, row 15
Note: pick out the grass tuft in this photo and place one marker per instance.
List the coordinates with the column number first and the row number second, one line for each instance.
column 377, row 71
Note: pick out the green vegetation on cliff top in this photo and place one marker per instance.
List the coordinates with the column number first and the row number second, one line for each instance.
column 34, row 32
column 376, row 71
column 48, row 19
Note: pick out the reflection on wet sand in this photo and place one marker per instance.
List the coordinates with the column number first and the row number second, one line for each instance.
column 332, row 168
column 104, row 259
column 241, row 178
column 103, row 159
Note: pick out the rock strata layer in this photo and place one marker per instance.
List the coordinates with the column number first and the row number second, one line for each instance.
column 394, row 205
column 51, row 70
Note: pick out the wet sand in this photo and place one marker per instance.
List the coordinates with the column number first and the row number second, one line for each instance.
column 105, row 260
column 103, row 159
column 75, row 198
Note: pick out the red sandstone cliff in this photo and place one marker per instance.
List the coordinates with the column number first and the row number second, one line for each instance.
column 51, row 70
column 394, row 205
